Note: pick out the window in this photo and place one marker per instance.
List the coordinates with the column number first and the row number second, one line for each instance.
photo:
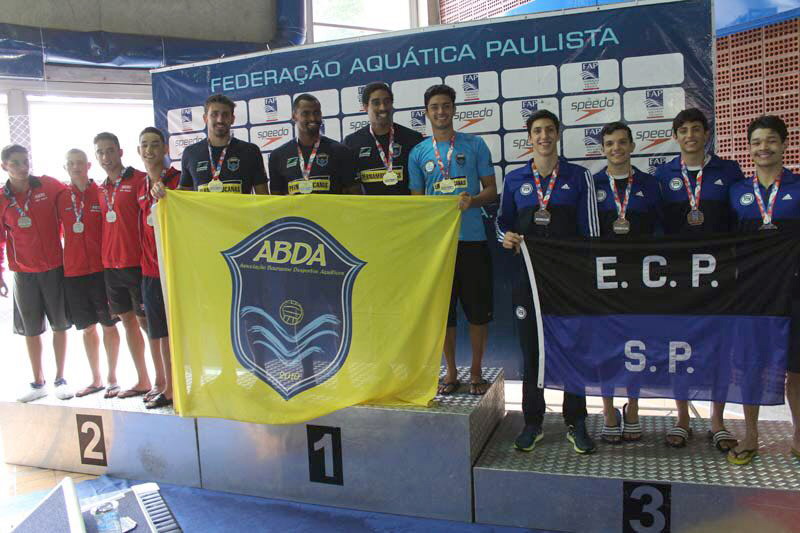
column 61, row 123
column 343, row 19
column 5, row 137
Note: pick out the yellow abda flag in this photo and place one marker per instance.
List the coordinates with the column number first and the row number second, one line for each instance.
column 284, row 309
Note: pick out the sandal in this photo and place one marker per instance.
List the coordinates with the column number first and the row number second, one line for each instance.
column 678, row 431
column 112, row 391
column 741, row 458
column 91, row 389
column 612, row 434
column 479, row 388
column 130, row 393
column 151, row 394
column 723, row 435
column 631, row 431
column 159, row 401
column 447, row 388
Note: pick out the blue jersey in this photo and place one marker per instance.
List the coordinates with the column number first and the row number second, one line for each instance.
column 744, row 206
column 470, row 161
column 572, row 206
column 644, row 206
column 718, row 176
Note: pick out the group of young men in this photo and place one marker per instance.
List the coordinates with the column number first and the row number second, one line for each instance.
column 547, row 197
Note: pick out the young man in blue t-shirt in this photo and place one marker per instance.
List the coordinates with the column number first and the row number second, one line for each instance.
column 458, row 164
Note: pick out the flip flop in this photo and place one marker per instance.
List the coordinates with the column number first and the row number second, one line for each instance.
column 631, row 432
column 131, row 393
column 479, row 388
column 152, row 393
column 91, row 389
column 796, row 452
column 723, row 435
column 445, row 388
column 612, row 434
column 741, row 458
column 159, row 401
column 678, row 431
column 112, row 391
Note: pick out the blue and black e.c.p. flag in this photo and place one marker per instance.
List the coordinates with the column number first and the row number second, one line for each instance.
column 670, row 318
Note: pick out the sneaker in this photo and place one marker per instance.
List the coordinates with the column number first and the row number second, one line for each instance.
column 62, row 392
column 577, row 435
column 526, row 441
column 36, row 391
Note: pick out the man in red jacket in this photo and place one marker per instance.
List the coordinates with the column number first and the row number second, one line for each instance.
column 121, row 252
column 29, row 229
column 152, row 148
column 82, row 225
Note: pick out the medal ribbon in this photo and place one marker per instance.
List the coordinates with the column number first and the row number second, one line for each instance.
column 115, row 184
column 544, row 199
column 694, row 199
column 78, row 214
column 23, row 211
column 445, row 173
column 387, row 161
column 306, row 168
column 766, row 214
column 622, row 208
column 216, row 169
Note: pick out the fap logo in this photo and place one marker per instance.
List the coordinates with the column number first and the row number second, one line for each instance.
column 291, row 313
column 590, row 75
column 528, row 108
column 418, row 120
column 186, row 119
column 654, row 162
column 471, row 86
column 654, row 103
column 270, row 109
column 361, row 105
column 592, row 142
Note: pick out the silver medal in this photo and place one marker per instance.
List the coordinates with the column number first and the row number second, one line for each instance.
column 621, row 226
column 77, row 227
column 542, row 217
column 111, row 217
column 24, row 222
column 695, row 217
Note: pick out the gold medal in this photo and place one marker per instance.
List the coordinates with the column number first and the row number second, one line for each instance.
column 215, row 185
column 305, row 187
column 390, row 178
column 447, row 186
column 695, row 217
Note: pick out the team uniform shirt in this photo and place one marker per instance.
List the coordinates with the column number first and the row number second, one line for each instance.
column 38, row 247
column 572, row 205
column 82, row 254
column 242, row 169
column 744, row 206
column 470, row 161
column 121, row 242
column 149, row 254
column 718, row 176
column 332, row 171
column 371, row 168
column 644, row 204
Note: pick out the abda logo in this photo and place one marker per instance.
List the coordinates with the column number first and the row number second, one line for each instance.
column 654, row 103
column 592, row 142
column 471, row 86
column 590, row 75
column 418, row 121
column 271, row 108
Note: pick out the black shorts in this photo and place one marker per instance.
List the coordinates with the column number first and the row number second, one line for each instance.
column 36, row 295
column 154, row 308
column 793, row 358
column 472, row 284
column 124, row 290
column 87, row 301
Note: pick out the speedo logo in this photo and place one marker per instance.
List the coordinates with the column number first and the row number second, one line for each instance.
column 524, row 146
column 473, row 116
column 652, row 137
column 268, row 136
column 592, row 106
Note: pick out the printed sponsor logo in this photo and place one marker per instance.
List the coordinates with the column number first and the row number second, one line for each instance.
column 529, row 107
column 587, row 107
column 592, row 142
column 186, row 119
column 652, row 137
column 270, row 109
column 526, row 189
column 365, row 151
column 653, row 162
column 477, row 118
column 590, row 75
column 747, row 198
column 271, row 137
column 178, row 143
column 601, row 196
column 359, row 99
column 675, row 184
column 418, row 121
column 471, row 86
column 654, row 103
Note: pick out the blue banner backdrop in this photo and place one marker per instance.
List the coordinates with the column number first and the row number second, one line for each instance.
column 641, row 64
